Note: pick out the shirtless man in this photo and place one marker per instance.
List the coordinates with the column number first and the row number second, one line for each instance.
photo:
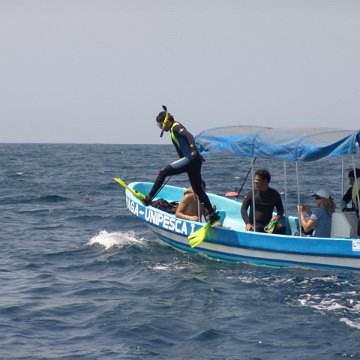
column 190, row 207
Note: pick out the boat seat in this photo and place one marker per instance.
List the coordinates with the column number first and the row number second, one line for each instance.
column 292, row 225
column 344, row 224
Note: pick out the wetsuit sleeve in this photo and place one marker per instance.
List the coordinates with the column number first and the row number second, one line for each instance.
column 348, row 196
column 279, row 205
column 181, row 130
column 244, row 208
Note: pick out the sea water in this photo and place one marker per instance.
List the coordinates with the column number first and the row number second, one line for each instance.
column 82, row 278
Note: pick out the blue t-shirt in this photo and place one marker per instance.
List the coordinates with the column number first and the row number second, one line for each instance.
column 323, row 226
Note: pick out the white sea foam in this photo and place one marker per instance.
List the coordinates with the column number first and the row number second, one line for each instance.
column 355, row 323
column 169, row 266
column 328, row 305
column 325, row 279
column 337, row 303
column 162, row 267
column 330, row 302
column 118, row 239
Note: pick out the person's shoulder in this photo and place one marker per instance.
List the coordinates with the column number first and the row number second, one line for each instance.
column 274, row 191
column 319, row 211
column 177, row 125
column 179, row 128
column 248, row 195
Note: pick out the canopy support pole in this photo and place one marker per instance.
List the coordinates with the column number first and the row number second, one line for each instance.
column 342, row 175
column 285, row 186
column 298, row 195
column 253, row 193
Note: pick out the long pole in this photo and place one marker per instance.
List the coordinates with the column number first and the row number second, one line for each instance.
column 298, row 195
column 247, row 175
column 253, row 193
column 285, row 186
column 342, row 175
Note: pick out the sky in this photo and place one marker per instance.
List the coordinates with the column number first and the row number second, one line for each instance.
column 98, row 71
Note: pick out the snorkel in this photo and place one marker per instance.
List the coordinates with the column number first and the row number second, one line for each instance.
column 165, row 120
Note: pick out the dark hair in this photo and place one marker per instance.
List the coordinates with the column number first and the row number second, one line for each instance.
column 161, row 117
column 351, row 173
column 264, row 174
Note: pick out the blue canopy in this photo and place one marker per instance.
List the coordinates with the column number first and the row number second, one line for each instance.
column 290, row 144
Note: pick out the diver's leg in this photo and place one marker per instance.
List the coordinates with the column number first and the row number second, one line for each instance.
column 175, row 168
column 194, row 174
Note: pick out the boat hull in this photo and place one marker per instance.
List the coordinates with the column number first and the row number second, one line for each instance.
column 232, row 243
column 257, row 256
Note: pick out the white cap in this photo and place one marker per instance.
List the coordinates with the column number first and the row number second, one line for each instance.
column 323, row 192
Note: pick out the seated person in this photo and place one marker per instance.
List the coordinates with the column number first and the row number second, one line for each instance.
column 320, row 218
column 266, row 200
column 351, row 195
column 189, row 207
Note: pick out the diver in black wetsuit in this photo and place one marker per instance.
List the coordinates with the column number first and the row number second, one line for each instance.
column 351, row 195
column 266, row 199
column 190, row 161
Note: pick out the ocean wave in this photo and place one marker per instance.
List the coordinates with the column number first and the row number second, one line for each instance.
column 329, row 295
column 74, row 290
column 50, row 198
column 352, row 323
column 117, row 239
column 7, row 200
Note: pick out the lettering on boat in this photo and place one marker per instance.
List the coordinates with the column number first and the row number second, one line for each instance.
column 170, row 223
column 133, row 206
column 167, row 222
column 356, row 245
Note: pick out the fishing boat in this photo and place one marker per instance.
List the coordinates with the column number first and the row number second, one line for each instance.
column 231, row 242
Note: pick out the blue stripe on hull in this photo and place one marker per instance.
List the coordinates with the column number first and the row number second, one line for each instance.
column 218, row 255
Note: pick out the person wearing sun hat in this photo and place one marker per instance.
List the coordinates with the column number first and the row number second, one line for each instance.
column 320, row 219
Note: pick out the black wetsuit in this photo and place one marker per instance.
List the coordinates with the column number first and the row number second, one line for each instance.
column 348, row 197
column 190, row 162
column 265, row 202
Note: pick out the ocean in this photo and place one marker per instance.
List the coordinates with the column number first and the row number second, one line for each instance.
column 82, row 278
